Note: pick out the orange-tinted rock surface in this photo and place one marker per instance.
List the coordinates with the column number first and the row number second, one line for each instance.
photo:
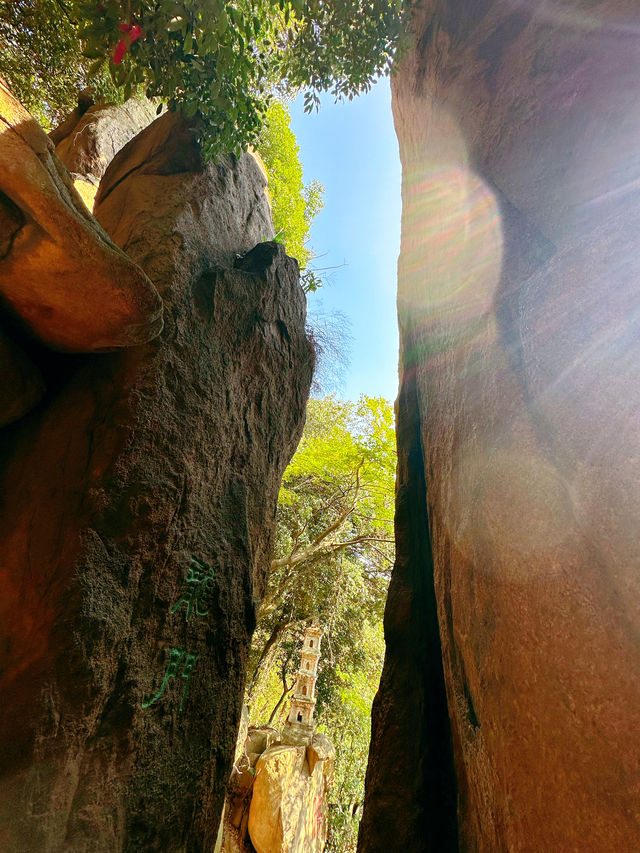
column 136, row 516
column 62, row 279
column 519, row 438
column 277, row 794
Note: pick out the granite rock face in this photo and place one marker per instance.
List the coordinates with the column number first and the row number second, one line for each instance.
column 137, row 513
column 91, row 136
column 519, row 439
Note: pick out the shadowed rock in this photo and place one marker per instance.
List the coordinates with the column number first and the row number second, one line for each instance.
column 21, row 383
column 136, row 525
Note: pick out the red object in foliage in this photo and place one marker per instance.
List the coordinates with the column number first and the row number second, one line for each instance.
column 119, row 52
column 132, row 33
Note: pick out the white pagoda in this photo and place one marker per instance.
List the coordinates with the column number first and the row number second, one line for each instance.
column 303, row 700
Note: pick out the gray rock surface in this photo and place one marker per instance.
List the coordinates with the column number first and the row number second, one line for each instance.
column 87, row 145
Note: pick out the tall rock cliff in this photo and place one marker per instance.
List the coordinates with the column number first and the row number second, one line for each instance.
column 508, row 717
column 138, row 497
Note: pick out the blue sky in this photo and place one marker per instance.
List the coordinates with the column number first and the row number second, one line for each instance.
column 352, row 149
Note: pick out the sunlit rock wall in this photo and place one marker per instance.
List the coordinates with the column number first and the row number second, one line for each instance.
column 136, row 516
column 519, row 437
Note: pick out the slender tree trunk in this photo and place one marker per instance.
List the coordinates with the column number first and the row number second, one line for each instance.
column 286, row 689
column 267, row 652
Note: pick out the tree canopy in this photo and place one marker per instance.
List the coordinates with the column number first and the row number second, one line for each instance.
column 219, row 61
column 335, row 523
column 41, row 58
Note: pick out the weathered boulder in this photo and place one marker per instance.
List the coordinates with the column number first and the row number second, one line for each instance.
column 321, row 749
column 257, row 740
column 508, row 717
column 87, row 145
column 278, row 795
column 136, row 523
column 158, row 158
column 61, row 277
column 86, row 99
column 91, row 136
column 276, row 798
column 288, row 812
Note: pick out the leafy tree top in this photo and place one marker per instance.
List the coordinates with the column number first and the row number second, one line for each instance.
column 41, row 58
column 335, row 528
column 220, row 60
column 293, row 204
column 346, row 445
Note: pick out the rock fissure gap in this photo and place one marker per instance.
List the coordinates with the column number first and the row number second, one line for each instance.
column 410, row 717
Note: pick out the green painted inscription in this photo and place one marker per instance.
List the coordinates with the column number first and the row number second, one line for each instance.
column 195, row 596
column 177, row 658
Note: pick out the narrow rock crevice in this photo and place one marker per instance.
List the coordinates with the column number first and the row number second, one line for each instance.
column 410, row 717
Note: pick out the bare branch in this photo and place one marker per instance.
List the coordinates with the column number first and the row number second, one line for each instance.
column 295, row 557
column 343, row 517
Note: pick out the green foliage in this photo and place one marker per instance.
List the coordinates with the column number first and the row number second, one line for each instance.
column 42, row 60
column 348, row 723
column 219, row 62
column 334, row 555
column 293, row 205
column 342, row 439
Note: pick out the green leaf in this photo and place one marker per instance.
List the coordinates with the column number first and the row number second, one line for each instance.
column 96, row 67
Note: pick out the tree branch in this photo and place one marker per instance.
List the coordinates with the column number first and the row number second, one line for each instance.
column 295, row 557
column 272, row 641
column 343, row 517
